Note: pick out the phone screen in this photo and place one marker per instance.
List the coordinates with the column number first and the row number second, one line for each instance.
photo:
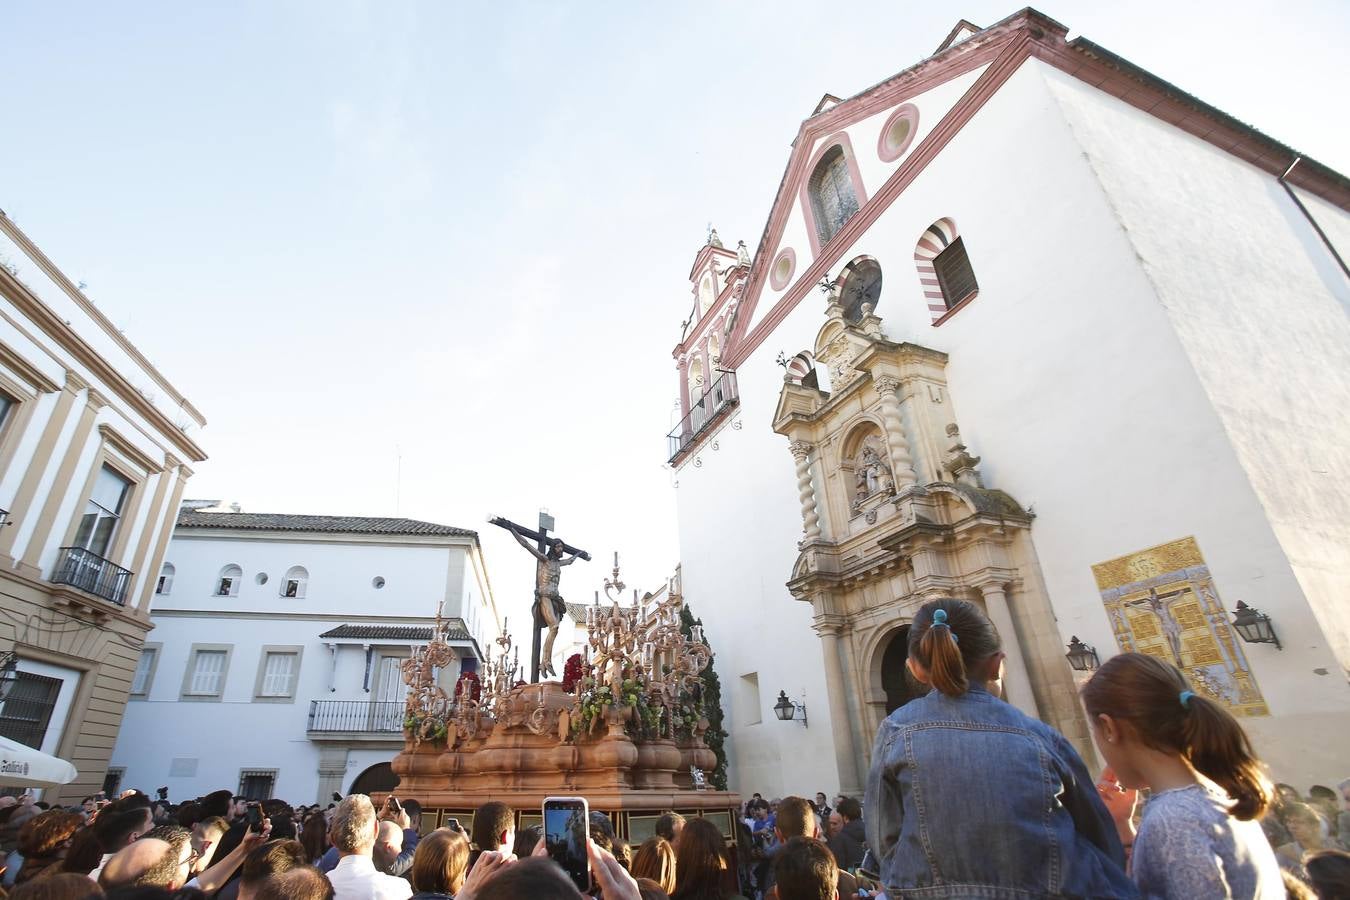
column 566, row 828
column 254, row 818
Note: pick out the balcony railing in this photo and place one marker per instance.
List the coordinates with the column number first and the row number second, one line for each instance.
column 703, row 412
column 92, row 574
column 356, row 716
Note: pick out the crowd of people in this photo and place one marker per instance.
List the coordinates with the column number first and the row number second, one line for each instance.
column 966, row 797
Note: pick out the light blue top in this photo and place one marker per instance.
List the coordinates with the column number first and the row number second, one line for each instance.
column 1189, row 846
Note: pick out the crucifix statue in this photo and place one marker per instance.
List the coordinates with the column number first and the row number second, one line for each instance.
column 551, row 554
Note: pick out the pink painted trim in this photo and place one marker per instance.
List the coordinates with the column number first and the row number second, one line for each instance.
column 948, row 313
column 774, row 281
column 884, row 150
column 840, row 140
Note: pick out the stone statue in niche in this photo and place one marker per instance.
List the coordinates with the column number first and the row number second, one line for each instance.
column 871, row 472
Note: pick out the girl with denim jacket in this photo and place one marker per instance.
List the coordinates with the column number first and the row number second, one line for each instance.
column 970, row 797
column 1199, row 836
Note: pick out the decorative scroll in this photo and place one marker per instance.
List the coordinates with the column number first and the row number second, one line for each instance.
column 1163, row 602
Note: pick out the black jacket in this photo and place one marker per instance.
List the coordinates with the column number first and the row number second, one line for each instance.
column 849, row 845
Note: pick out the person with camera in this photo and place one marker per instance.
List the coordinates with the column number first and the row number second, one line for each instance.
column 354, row 832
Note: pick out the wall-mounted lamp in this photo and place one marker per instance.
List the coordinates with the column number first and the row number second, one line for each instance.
column 1082, row 657
column 786, row 709
column 9, row 672
column 1254, row 626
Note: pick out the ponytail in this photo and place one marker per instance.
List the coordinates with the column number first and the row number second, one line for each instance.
column 948, row 638
column 1166, row 715
column 1221, row 751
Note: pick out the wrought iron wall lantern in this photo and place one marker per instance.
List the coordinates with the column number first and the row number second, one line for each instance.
column 786, row 709
column 1254, row 626
column 1082, row 657
column 9, row 672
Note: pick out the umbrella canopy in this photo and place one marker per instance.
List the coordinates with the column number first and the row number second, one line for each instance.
column 22, row 766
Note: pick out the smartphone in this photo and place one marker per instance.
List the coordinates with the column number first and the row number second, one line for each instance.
column 567, row 827
column 394, row 806
column 254, row 817
column 453, row 824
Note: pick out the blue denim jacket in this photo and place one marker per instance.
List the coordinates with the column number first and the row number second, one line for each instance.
column 969, row 797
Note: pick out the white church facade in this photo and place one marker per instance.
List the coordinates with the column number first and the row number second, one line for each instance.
column 1030, row 326
column 282, row 638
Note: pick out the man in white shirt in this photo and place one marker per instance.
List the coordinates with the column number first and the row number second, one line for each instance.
column 353, row 832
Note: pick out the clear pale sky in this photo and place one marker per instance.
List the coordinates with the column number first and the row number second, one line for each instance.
column 459, row 233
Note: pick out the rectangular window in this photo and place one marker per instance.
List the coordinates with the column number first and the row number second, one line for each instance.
column 140, row 682
column 257, row 784
column 292, row 588
column 278, row 674
column 28, row 708
column 7, row 405
column 749, row 699
column 112, row 781
column 955, row 276
column 102, row 512
column 206, row 673
column 225, row 588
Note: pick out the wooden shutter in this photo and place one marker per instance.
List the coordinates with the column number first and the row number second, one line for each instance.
column 954, row 273
column 277, row 672
column 208, row 671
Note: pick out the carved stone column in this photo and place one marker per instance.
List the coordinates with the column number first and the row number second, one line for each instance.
column 902, row 463
column 1016, row 679
column 801, row 452
column 845, row 758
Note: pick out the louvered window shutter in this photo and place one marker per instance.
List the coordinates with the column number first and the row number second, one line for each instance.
column 277, row 674
column 955, row 274
column 208, row 671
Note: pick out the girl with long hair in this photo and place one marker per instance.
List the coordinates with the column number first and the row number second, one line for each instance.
column 969, row 796
column 655, row 859
column 701, row 863
column 1200, row 835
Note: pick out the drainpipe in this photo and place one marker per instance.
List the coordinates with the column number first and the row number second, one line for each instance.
column 1307, row 215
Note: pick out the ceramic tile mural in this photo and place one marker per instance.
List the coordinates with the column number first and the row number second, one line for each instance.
column 1162, row 601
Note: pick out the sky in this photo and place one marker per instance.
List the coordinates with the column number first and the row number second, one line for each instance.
column 430, row 259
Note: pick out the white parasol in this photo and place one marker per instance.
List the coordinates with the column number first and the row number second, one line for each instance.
column 22, row 766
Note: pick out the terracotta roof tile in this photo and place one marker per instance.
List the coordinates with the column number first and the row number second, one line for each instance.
column 392, row 633
column 324, row 524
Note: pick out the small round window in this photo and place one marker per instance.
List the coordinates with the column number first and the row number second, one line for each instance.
column 377, row 582
column 898, row 133
column 261, row 578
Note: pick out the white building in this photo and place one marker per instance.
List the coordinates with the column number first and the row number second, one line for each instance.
column 94, row 451
column 274, row 666
column 1132, row 307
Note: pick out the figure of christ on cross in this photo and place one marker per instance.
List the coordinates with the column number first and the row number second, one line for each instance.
column 551, row 555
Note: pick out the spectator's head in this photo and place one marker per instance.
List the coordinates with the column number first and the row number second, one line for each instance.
column 850, row 809
column 526, row 839
column 238, row 807
column 952, row 644
column 1306, row 825
column 217, row 803
column 303, row 883
column 796, row 818
column 354, row 826
column 206, row 836
column 262, row 862
column 441, row 862
column 148, row 861
column 651, row 890
column 805, row 870
column 494, row 826
column 835, row 824
column 189, row 814
column 314, row 836
column 1287, row 793
column 48, row 833
column 7, row 802
column 1325, row 801
column 1328, row 870
column 655, row 859
column 117, row 829
column 820, row 800
column 701, row 859
column 388, row 845
column 61, row 886
column 669, row 827
column 84, row 854
column 537, row 878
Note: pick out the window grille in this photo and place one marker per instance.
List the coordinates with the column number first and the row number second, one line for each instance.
column 955, row 275
column 28, row 708
column 257, row 784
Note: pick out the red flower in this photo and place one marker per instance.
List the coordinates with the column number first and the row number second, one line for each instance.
column 571, row 673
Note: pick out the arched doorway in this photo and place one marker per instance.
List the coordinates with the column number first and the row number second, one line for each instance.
column 378, row 779
column 899, row 685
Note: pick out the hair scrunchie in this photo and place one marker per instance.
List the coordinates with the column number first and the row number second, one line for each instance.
column 1185, row 698
column 940, row 619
